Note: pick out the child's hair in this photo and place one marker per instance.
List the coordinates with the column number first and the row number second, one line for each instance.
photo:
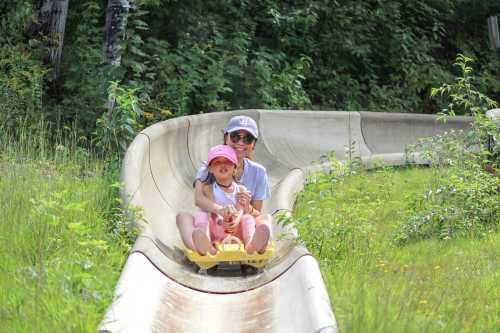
column 209, row 179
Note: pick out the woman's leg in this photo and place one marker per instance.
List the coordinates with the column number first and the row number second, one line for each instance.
column 201, row 234
column 185, row 224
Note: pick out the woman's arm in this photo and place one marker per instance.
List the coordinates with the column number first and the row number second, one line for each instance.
column 203, row 202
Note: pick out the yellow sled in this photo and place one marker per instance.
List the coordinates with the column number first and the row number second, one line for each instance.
column 232, row 254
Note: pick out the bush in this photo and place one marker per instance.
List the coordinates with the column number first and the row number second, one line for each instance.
column 465, row 200
column 463, row 203
column 21, row 75
column 118, row 127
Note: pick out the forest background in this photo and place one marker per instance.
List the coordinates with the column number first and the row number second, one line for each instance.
column 163, row 59
column 79, row 79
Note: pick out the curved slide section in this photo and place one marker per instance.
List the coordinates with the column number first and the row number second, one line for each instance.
column 160, row 291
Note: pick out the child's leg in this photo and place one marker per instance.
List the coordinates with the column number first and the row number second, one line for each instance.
column 185, row 224
column 256, row 237
column 201, row 234
column 267, row 220
column 217, row 231
column 246, row 228
column 201, row 222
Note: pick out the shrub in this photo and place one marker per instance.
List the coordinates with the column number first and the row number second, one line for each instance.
column 463, row 203
column 465, row 200
column 116, row 128
column 21, row 75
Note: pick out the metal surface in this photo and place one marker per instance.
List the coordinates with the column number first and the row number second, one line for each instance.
column 160, row 291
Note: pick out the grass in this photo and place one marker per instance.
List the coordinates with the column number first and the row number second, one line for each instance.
column 63, row 241
column 62, row 237
column 431, row 285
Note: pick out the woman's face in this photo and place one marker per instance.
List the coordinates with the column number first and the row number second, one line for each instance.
column 241, row 141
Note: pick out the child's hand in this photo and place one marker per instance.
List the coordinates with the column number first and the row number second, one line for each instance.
column 231, row 220
column 227, row 211
column 243, row 198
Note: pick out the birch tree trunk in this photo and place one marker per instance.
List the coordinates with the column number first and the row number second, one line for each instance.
column 114, row 33
column 116, row 23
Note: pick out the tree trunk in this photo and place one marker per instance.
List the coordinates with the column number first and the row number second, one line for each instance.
column 57, row 26
column 116, row 22
column 114, row 33
column 51, row 22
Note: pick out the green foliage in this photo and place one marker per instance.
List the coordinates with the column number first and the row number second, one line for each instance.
column 63, row 240
column 346, row 229
column 196, row 57
column 116, row 129
column 81, row 98
column 376, row 56
column 465, row 200
column 428, row 285
column 21, row 76
column 463, row 94
column 211, row 65
column 464, row 97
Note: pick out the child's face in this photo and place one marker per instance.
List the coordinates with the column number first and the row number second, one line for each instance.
column 222, row 169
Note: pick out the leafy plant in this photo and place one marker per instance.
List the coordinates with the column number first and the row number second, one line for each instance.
column 21, row 75
column 465, row 200
column 463, row 203
column 84, row 80
column 463, row 95
column 116, row 129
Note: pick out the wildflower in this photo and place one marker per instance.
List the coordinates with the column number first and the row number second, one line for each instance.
column 166, row 112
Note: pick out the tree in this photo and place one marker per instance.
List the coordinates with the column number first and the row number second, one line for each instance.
column 114, row 33
column 51, row 22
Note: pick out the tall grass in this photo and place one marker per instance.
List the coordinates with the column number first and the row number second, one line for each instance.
column 63, row 239
column 349, row 223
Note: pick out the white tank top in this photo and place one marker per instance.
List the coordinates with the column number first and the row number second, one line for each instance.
column 224, row 198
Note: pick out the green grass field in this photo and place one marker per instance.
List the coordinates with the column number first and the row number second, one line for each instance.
column 378, row 286
column 61, row 243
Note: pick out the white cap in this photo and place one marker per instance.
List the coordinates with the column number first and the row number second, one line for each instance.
column 244, row 123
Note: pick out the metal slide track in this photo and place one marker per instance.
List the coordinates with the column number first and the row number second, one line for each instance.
column 159, row 291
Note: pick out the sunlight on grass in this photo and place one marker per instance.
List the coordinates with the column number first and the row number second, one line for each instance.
column 377, row 286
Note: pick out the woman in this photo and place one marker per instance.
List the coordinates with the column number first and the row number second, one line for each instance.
column 241, row 134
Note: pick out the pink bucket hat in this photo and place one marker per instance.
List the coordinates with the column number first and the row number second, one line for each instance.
column 222, row 151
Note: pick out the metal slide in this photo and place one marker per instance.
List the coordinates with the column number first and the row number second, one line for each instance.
column 159, row 291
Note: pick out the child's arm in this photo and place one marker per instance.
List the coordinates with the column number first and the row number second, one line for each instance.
column 203, row 201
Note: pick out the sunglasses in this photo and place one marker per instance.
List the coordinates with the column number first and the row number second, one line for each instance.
column 236, row 137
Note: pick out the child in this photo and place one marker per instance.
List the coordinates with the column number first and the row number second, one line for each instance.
column 231, row 223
